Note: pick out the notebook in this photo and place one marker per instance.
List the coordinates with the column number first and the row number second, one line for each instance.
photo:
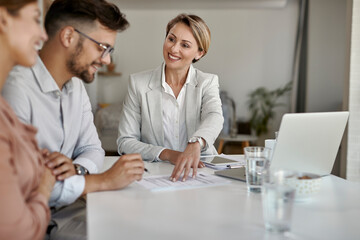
column 233, row 173
column 309, row 142
column 223, row 160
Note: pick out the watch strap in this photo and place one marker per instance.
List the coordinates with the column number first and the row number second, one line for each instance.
column 197, row 139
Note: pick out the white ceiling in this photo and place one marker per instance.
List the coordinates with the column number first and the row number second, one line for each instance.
column 202, row 4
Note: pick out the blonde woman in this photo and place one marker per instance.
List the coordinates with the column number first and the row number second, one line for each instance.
column 25, row 184
column 173, row 113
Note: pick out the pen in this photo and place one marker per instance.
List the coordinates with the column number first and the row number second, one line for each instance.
column 145, row 169
column 235, row 166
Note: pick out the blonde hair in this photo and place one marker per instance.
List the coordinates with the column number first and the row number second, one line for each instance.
column 200, row 30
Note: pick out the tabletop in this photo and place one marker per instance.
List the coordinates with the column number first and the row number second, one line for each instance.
column 217, row 212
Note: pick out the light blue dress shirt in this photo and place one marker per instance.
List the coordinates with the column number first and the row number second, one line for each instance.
column 64, row 121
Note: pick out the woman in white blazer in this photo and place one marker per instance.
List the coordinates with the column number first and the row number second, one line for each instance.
column 173, row 113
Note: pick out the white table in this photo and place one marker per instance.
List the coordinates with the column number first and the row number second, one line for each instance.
column 220, row 212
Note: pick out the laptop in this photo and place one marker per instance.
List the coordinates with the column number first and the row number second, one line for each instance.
column 309, row 142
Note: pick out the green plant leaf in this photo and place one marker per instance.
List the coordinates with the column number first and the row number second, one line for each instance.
column 261, row 105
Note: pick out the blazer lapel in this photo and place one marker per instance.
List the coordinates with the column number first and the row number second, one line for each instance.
column 192, row 106
column 153, row 98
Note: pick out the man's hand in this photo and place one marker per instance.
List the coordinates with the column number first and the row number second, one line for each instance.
column 61, row 166
column 125, row 170
column 186, row 160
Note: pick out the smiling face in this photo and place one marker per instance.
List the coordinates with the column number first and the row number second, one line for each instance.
column 26, row 35
column 86, row 58
column 180, row 48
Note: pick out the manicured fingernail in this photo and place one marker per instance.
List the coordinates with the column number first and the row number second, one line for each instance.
column 59, row 178
column 184, row 179
column 170, row 178
column 193, row 176
column 55, row 172
column 173, row 180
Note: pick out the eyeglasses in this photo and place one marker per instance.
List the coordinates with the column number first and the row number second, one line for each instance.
column 107, row 48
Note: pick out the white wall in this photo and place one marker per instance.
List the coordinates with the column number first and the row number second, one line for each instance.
column 250, row 47
column 326, row 55
column 353, row 156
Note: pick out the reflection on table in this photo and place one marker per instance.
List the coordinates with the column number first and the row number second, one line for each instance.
column 219, row 212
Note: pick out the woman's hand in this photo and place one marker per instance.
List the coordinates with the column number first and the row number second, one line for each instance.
column 47, row 183
column 186, row 160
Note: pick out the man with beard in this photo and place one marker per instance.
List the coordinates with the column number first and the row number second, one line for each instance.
column 51, row 96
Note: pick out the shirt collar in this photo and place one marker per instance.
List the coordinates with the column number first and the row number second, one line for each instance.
column 188, row 77
column 46, row 82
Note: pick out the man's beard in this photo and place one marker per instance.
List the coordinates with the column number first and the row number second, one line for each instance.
column 76, row 69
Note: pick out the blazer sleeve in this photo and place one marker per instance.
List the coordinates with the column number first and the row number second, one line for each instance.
column 211, row 117
column 129, row 131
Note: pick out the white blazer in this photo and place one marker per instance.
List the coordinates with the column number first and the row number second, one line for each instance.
column 140, row 128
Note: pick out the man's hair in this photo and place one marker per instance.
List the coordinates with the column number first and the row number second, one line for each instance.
column 13, row 6
column 83, row 12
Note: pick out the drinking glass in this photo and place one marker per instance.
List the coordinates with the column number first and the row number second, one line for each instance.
column 257, row 163
column 278, row 198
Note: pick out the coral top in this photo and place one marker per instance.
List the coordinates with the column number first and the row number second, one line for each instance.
column 24, row 213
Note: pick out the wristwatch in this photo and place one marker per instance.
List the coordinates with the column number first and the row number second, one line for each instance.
column 197, row 139
column 80, row 170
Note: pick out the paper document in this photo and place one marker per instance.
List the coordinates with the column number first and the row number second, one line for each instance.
column 163, row 183
column 223, row 161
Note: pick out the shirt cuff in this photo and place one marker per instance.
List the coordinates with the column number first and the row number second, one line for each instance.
column 206, row 146
column 88, row 164
column 69, row 190
column 157, row 158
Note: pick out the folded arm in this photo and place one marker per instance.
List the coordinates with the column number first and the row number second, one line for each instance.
column 21, row 216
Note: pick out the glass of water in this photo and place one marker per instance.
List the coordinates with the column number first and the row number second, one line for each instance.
column 278, row 198
column 257, row 164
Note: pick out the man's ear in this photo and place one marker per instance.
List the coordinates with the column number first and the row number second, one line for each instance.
column 67, row 36
column 4, row 20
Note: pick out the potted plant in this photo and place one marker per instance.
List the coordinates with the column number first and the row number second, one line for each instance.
column 261, row 104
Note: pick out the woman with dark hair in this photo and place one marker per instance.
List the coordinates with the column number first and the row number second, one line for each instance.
column 173, row 113
column 25, row 184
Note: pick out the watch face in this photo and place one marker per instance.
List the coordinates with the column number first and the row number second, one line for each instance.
column 197, row 139
column 80, row 170
column 192, row 140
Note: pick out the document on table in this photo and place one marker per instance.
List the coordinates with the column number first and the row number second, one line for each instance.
column 213, row 161
column 163, row 183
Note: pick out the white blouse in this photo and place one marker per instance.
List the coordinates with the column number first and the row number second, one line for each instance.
column 175, row 133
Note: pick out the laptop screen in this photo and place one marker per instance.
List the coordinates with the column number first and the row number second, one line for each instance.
column 309, row 142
